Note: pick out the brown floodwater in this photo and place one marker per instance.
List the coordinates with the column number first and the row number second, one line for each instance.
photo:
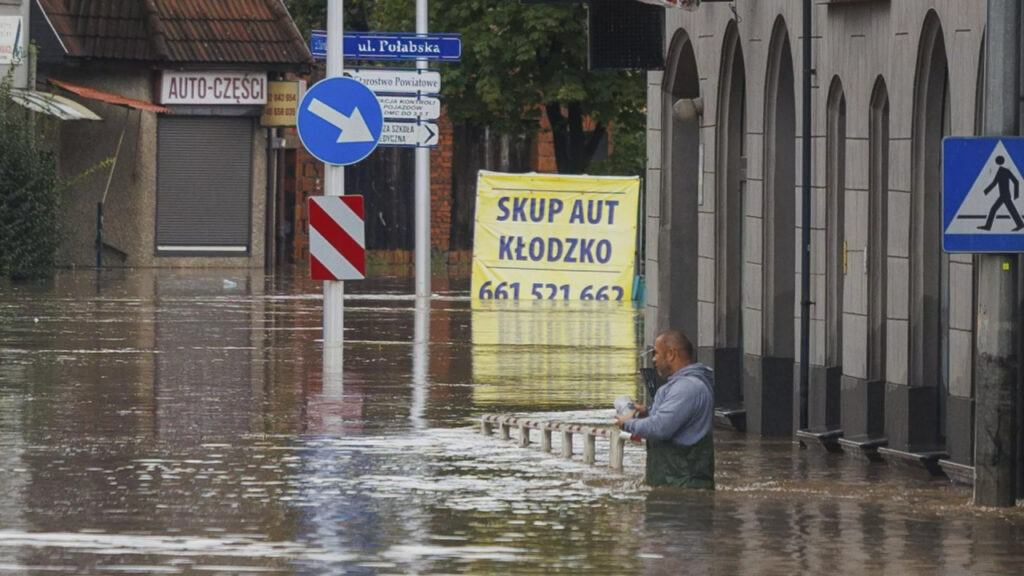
column 176, row 422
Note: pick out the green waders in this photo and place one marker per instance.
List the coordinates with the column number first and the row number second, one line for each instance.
column 671, row 464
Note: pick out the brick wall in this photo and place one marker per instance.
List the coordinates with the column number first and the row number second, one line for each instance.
column 441, row 187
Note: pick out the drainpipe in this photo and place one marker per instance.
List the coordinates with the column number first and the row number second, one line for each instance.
column 805, row 236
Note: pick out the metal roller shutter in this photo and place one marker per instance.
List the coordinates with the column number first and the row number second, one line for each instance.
column 204, row 185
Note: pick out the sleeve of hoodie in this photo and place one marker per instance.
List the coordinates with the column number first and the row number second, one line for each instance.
column 676, row 409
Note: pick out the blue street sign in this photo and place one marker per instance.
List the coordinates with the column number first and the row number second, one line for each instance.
column 981, row 194
column 391, row 46
column 340, row 121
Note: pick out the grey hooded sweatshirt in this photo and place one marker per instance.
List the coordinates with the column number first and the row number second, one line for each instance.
column 682, row 410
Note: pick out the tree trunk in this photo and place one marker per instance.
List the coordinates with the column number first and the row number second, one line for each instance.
column 574, row 147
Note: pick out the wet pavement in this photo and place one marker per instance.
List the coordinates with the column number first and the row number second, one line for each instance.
column 176, row 422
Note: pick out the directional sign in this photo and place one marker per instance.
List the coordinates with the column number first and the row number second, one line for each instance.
column 981, row 195
column 391, row 46
column 339, row 121
column 409, row 134
column 398, row 80
column 410, row 108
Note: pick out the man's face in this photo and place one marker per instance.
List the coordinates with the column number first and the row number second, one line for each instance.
column 662, row 362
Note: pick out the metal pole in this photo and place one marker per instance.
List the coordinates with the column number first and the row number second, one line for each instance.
column 995, row 425
column 805, row 236
column 99, row 235
column 422, row 186
column 334, row 180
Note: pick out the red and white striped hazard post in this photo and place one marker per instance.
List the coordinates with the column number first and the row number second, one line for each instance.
column 337, row 246
column 337, row 252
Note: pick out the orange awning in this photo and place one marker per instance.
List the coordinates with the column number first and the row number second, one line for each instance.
column 94, row 94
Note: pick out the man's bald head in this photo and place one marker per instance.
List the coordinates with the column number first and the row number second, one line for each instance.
column 672, row 351
column 676, row 340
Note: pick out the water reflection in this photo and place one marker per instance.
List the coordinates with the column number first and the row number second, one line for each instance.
column 178, row 422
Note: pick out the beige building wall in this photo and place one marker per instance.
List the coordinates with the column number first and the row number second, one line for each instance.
column 854, row 43
column 130, row 205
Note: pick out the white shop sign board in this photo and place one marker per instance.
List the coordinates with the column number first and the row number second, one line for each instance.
column 213, row 88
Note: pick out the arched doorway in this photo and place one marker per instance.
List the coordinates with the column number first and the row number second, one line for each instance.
column 768, row 387
column 915, row 426
column 677, row 256
column 825, row 378
column 729, row 235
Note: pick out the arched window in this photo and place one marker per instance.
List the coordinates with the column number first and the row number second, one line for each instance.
column 835, row 238
column 878, row 233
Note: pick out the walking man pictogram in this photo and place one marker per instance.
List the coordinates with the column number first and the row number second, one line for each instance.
column 1003, row 178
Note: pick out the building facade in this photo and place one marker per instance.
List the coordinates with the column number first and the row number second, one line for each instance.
column 180, row 87
column 891, row 315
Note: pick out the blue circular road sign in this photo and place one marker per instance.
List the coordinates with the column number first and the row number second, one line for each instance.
column 340, row 121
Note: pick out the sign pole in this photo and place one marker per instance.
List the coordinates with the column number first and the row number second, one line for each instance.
column 422, row 187
column 997, row 364
column 334, row 185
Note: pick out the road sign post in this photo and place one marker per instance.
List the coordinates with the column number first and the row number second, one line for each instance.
column 453, row 44
column 339, row 122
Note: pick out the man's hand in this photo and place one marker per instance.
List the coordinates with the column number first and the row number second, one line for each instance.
column 641, row 411
column 621, row 419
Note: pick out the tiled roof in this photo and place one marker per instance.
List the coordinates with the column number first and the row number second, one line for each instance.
column 178, row 31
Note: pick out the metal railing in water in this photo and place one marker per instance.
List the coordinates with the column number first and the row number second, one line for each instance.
column 616, row 439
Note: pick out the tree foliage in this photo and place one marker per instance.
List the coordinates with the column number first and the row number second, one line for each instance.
column 29, row 196
column 519, row 62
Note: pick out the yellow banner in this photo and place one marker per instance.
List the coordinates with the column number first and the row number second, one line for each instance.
column 544, row 355
column 554, row 237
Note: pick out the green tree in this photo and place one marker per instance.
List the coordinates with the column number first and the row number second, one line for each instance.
column 519, row 61
column 29, row 196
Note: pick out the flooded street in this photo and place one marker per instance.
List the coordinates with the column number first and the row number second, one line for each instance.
column 176, row 422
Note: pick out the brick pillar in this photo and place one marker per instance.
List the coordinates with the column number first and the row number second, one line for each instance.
column 542, row 157
column 309, row 181
column 441, row 186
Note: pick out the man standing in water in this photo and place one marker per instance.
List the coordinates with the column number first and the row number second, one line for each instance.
column 677, row 427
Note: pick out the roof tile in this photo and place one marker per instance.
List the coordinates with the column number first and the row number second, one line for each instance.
column 179, row 31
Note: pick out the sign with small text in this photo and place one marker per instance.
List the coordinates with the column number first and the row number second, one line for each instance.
column 12, row 39
column 283, row 97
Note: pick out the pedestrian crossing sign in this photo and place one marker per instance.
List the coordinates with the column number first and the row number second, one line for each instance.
column 982, row 201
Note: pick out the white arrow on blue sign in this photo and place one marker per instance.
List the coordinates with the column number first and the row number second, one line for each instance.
column 340, row 121
column 981, row 195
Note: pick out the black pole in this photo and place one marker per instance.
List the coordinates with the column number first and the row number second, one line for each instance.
column 805, row 254
column 99, row 235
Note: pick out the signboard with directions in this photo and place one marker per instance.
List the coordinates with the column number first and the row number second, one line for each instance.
column 410, row 108
column 391, row 46
column 409, row 134
column 340, row 121
column 398, row 80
